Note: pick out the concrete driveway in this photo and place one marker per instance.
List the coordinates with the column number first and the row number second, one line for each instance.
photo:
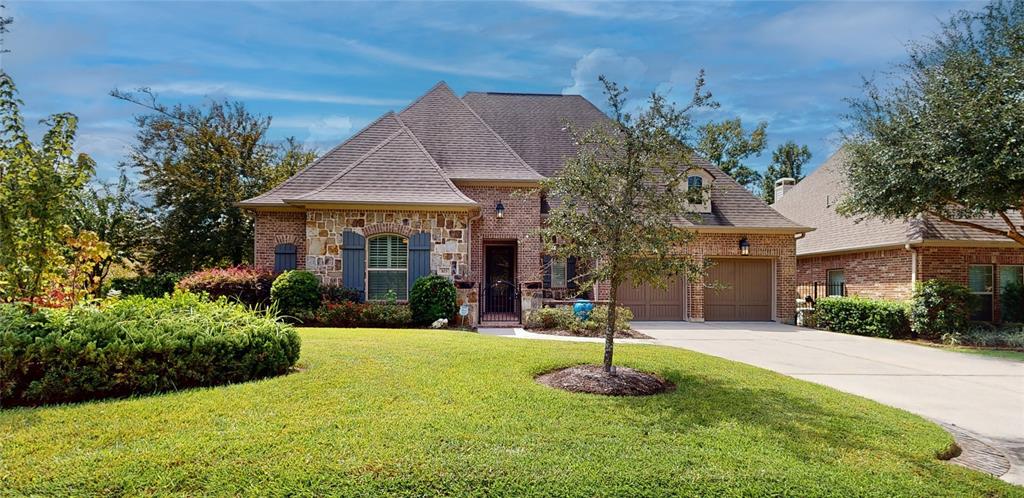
column 983, row 395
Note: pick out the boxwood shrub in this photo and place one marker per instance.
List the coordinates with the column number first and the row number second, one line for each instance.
column 137, row 346
column 861, row 316
column 432, row 298
column 296, row 293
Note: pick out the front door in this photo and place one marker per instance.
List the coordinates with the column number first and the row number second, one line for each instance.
column 500, row 289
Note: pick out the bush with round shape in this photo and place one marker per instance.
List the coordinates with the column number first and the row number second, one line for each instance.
column 241, row 284
column 296, row 293
column 135, row 346
column 432, row 297
column 940, row 307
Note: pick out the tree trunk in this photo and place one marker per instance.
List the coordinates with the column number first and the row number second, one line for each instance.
column 609, row 333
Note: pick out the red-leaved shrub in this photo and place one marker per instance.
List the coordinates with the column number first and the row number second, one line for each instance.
column 242, row 284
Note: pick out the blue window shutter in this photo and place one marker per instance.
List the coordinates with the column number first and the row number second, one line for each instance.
column 547, row 272
column 570, row 272
column 419, row 257
column 353, row 262
column 284, row 258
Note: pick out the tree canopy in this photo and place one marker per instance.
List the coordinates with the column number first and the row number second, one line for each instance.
column 196, row 163
column 727, row 145
column 947, row 138
column 622, row 196
column 788, row 161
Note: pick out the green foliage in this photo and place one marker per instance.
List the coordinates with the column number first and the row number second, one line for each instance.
column 860, row 316
column 554, row 318
column 727, row 145
column 379, row 411
column 197, row 163
column 240, row 284
column 432, row 297
column 136, row 346
column 146, row 285
column 38, row 186
column 987, row 336
column 788, row 161
column 599, row 317
column 338, row 294
column 624, row 194
column 945, row 139
column 295, row 292
column 1012, row 297
column 940, row 307
column 386, row 315
column 563, row 318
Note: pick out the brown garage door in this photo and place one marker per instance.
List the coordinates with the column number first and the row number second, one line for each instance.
column 651, row 303
column 746, row 292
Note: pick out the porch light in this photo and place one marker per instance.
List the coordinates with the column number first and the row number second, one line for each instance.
column 499, row 210
column 744, row 246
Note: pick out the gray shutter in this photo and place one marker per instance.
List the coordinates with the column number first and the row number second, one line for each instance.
column 419, row 257
column 284, row 258
column 353, row 262
column 570, row 272
column 547, row 272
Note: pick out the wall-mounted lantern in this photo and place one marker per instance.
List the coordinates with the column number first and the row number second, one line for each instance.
column 499, row 210
column 744, row 246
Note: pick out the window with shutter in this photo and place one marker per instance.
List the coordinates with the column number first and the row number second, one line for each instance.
column 284, row 258
column 388, row 258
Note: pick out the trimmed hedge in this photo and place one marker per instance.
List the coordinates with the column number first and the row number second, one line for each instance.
column 432, row 298
column 296, row 293
column 137, row 346
column 240, row 284
column 349, row 314
column 860, row 316
column 940, row 307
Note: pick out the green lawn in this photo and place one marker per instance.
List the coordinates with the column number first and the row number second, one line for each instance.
column 427, row 413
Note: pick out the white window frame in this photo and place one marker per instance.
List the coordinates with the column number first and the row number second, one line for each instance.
column 563, row 273
column 370, row 270
column 991, row 291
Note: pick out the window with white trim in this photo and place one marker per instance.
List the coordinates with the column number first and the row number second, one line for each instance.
column 979, row 281
column 387, row 267
column 559, row 276
column 694, row 182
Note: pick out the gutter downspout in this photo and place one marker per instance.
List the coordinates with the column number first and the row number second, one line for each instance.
column 913, row 264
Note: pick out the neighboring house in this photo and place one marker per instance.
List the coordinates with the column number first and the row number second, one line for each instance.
column 880, row 259
column 449, row 186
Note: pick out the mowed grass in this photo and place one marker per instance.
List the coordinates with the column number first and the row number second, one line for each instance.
column 412, row 413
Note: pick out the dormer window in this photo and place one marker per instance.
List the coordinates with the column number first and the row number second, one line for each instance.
column 698, row 190
column 694, row 182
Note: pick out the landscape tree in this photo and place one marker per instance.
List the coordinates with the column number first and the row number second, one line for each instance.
column 196, row 163
column 727, row 145
column 947, row 138
column 38, row 188
column 622, row 196
column 788, row 161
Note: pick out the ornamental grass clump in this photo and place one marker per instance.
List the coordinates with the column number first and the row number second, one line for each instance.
column 137, row 346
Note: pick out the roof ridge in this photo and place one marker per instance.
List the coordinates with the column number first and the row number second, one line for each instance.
column 531, row 94
column 436, row 166
column 325, row 154
column 500, row 140
column 355, row 163
column 439, row 84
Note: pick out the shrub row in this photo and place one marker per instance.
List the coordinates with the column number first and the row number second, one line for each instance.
column 860, row 316
column 349, row 314
column 563, row 318
column 1007, row 336
column 137, row 346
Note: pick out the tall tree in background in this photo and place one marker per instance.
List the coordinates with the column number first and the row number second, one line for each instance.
column 196, row 163
column 727, row 145
column 947, row 140
column 622, row 196
column 38, row 188
column 788, row 161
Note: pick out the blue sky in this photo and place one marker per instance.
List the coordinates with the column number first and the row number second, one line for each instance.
column 324, row 70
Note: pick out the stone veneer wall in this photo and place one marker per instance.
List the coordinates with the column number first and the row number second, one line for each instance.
column 323, row 229
column 878, row 274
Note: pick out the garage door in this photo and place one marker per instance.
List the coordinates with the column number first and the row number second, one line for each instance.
column 746, row 292
column 648, row 302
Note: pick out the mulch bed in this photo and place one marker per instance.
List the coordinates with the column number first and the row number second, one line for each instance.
column 622, row 334
column 593, row 379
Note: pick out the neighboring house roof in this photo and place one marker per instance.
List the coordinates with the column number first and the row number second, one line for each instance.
column 812, row 202
column 462, row 143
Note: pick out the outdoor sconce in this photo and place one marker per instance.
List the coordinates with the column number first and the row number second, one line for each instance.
column 499, row 210
column 744, row 246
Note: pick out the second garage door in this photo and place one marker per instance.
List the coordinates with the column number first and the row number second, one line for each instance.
column 745, row 293
column 651, row 303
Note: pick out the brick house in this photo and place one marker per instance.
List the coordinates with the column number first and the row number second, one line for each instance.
column 883, row 260
column 449, row 185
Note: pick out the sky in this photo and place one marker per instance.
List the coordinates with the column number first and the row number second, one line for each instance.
column 324, row 70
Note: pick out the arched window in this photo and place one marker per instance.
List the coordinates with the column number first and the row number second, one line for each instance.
column 694, row 182
column 388, row 268
column 284, row 257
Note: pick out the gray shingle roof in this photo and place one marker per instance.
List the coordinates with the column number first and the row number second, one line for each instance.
column 812, row 202
column 462, row 143
column 398, row 171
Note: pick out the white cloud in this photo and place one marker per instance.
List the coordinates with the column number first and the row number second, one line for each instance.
column 624, row 70
column 491, row 66
column 626, row 10
column 255, row 93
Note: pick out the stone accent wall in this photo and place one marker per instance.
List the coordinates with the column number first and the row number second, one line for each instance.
column 781, row 248
column 323, row 229
column 879, row 274
column 951, row 263
column 278, row 227
column 521, row 220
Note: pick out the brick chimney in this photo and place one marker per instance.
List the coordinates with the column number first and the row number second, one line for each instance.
column 782, row 185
